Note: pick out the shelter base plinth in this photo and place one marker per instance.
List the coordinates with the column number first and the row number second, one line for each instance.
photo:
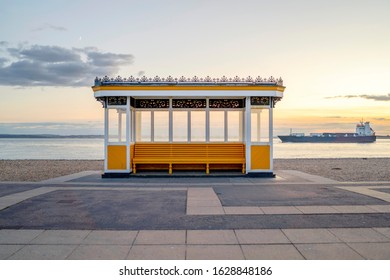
column 261, row 174
column 115, row 175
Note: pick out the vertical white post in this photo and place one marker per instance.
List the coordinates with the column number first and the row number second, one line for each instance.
column 119, row 112
column 258, row 128
column 105, row 137
column 248, row 133
column 241, row 126
column 207, row 121
column 226, row 125
column 128, row 134
column 152, row 125
column 189, row 126
column 170, row 121
column 271, row 135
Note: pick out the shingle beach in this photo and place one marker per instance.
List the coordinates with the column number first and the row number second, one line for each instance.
column 352, row 169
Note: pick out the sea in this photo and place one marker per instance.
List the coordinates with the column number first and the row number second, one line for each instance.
column 92, row 149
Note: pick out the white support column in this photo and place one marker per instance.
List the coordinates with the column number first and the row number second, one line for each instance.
column 152, row 125
column 128, row 134
column 241, row 126
column 258, row 128
column 207, row 121
column 105, row 138
column 170, row 121
column 189, row 126
column 248, row 133
column 119, row 112
column 226, row 125
column 271, row 135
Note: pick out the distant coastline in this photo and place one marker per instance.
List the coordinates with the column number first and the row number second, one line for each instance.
column 56, row 136
column 51, row 136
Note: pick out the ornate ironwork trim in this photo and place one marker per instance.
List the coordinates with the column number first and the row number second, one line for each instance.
column 275, row 100
column 117, row 100
column 260, row 100
column 188, row 103
column 102, row 100
column 226, row 103
column 152, row 103
column 194, row 80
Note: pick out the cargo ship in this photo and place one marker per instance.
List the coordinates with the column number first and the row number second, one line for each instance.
column 364, row 134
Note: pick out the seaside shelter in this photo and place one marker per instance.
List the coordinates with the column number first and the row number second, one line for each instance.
column 172, row 124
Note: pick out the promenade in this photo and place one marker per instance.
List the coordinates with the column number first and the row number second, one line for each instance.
column 293, row 216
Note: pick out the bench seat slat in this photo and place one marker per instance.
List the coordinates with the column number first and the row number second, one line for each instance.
column 208, row 153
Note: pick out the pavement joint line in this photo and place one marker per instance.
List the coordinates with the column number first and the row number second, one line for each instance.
column 15, row 198
column 386, row 240
column 310, row 177
column 282, row 210
column 368, row 191
column 65, row 178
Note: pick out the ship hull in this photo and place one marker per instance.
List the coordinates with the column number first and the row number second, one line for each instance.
column 327, row 139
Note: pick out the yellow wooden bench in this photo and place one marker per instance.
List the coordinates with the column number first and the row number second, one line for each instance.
column 189, row 153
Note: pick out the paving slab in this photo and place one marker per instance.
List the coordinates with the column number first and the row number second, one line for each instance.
column 353, row 209
column 43, row 252
column 261, row 236
column 271, row 252
column 157, row 252
column 358, row 235
column 242, row 210
column 380, row 208
column 286, row 210
column 161, row 237
column 214, row 252
column 203, row 237
column 372, row 251
column 109, row 237
column 313, row 209
column 100, row 252
column 61, row 237
column 10, row 236
column 205, row 210
column 328, row 252
column 310, row 236
column 384, row 231
column 202, row 202
column 8, row 250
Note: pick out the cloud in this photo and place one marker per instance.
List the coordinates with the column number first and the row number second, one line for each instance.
column 49, row 26
column 383, row 97
column 39, row 65
column 3, row 61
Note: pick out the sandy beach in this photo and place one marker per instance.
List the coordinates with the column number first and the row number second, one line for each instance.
column 354, row 170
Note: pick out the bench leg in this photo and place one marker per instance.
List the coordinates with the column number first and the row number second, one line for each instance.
column 134, row 169
column 243, row 168
column 207, row 168
column 170, row 168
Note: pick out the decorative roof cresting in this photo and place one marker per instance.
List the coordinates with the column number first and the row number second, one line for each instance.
column 188, row 81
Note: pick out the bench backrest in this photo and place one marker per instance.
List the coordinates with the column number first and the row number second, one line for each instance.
column 189, row 150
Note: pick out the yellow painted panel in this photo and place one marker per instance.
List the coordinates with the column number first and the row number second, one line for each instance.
column 260, row 157
column 116, row 157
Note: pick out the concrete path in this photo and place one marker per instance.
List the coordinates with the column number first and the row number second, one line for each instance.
column 293, row 216
column 240, row 244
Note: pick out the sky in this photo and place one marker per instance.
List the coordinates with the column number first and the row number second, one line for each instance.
column 333, row 57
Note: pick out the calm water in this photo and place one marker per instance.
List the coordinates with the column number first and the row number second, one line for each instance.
column 93, row 149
